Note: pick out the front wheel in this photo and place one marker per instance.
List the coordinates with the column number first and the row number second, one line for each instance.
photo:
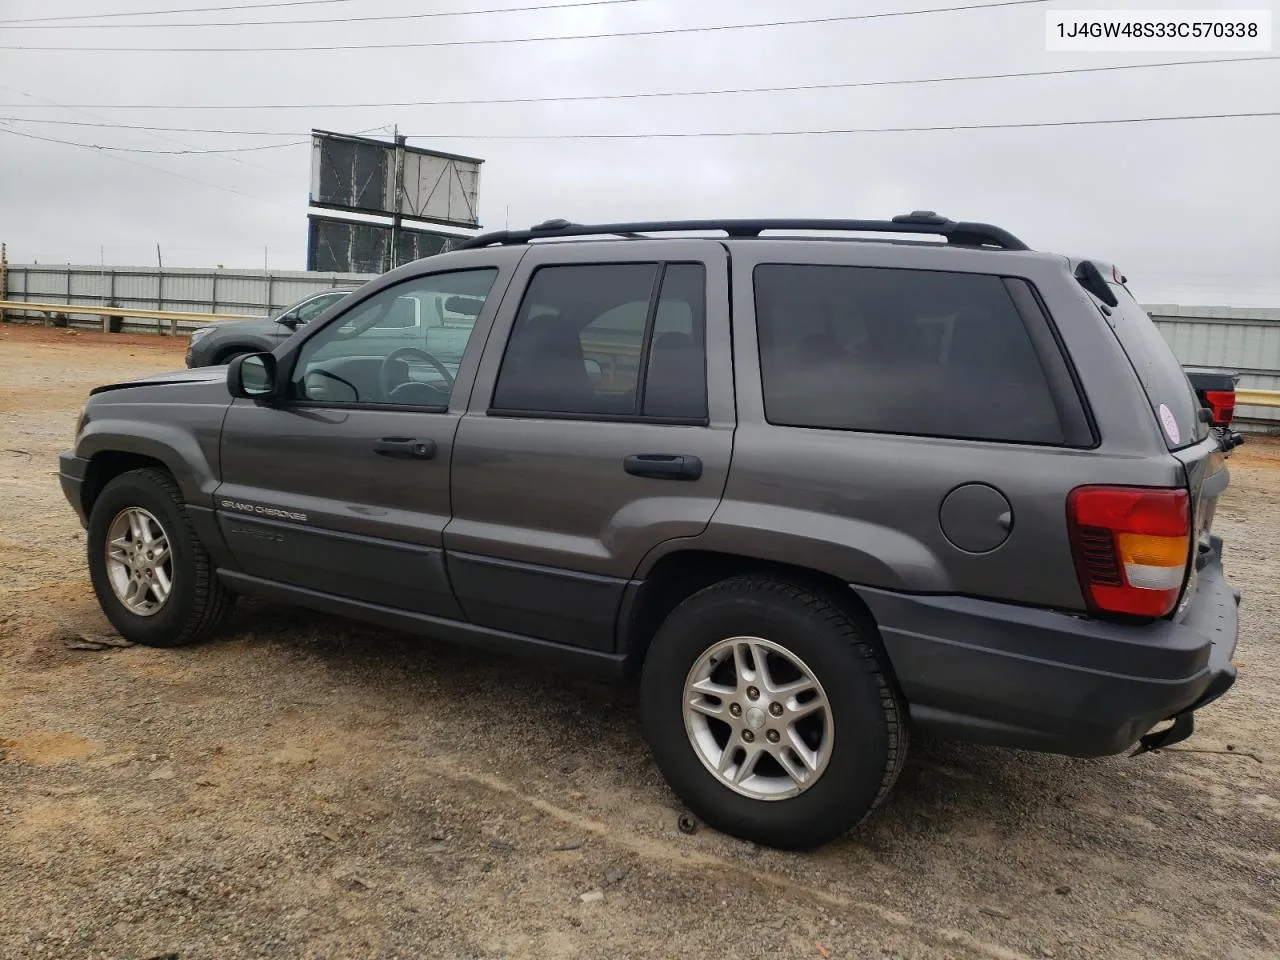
column 153, row 578
column 770, row 713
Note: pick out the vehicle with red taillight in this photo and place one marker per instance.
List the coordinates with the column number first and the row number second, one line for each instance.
column 817, row 483
column 1217, row 392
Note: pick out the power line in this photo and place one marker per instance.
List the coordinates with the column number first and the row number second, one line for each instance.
column 707, row 134
column 159, row 13
column 148, row 129
column 108, row 123
column 170, row 153
column 588, row 97
column 852, row 130
column 665, row 31
column 382, row 18
column 167, row 173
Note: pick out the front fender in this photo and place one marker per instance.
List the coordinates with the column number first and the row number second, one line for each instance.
column 188, row 450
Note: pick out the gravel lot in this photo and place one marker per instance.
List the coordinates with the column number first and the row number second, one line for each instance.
column 306, row 787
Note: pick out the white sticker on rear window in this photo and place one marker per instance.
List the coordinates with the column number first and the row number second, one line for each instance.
column 1170, row 425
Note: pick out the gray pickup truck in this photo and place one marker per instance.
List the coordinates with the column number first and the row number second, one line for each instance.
column 817, row 492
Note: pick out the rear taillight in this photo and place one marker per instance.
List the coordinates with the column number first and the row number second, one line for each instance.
column 1131, row 547
column 1222, row 404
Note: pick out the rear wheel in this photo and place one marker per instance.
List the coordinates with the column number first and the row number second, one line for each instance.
column 152, row 576
column 770, row 713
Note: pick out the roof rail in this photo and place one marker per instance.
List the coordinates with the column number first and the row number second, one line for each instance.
column 920, row 221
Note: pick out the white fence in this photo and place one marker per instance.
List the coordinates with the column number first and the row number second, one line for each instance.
column 199, row 290
column 1230, row 339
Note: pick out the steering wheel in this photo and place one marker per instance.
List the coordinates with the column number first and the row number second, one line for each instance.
column 401, row 355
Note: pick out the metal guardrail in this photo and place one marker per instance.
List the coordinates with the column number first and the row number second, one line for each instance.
column 92, row 310
column 1257, row 398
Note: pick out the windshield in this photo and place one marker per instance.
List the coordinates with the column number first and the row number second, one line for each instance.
column 1173, row 401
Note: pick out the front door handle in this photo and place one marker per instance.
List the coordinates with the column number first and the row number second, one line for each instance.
column 663, row 466
column 405, row 448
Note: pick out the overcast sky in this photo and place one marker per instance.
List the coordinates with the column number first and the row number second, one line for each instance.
column 1188, row 209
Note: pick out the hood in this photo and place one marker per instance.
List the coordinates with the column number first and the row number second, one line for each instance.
column 194, row 375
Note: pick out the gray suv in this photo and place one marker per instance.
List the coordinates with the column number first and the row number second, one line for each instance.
column 223, row 340
column 817, row 492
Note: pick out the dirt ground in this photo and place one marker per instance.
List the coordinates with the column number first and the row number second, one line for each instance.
column 307, row 787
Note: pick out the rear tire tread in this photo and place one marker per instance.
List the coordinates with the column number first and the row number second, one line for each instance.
column 841, row 622
column 855, row 666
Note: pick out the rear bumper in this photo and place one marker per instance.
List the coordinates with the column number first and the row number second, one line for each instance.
column 71, row 474
column 1041, row 680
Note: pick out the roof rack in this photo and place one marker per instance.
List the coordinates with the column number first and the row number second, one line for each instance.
column 920, row 221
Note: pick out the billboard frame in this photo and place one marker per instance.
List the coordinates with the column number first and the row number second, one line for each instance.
column 316, row 220
column 395, row 206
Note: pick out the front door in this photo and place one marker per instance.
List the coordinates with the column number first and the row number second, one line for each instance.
column 603, row 429
column 343, row 488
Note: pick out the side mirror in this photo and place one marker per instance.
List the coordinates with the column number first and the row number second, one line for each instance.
column 290, row 320
column 252, row 376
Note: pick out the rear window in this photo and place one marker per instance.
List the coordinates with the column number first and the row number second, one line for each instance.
column 1172, row 398
column 916, row 352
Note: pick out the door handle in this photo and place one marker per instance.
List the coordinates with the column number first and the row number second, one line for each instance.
column 663, row 466
column 405, row 448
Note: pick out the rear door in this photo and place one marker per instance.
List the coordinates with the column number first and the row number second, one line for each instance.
column 601, row 425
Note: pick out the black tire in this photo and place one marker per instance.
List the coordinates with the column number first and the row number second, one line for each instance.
column 868, row 719
column 197, row 603
column 229, row 356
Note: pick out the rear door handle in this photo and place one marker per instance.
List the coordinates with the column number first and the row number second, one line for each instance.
column 663, row 466
column 405, row 448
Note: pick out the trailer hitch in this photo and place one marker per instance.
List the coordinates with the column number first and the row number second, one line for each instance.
column 1183, row 726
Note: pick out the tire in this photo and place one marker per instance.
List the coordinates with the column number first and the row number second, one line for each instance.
column 864, row 717
column 196, row 602
column 229, row 356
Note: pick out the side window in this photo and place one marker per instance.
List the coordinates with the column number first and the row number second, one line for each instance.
column 372, row 354
column 924, row 353
column 313, row 308
column 405, row 313
column 592, row 340
column 1162, row 376
column 676, row 385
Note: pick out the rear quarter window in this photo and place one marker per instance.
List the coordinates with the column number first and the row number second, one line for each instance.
column 914, row 352
column 1172, row 398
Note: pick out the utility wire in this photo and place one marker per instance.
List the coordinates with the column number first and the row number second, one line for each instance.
column 165, row 13
column 835, row 131
column 665, row 31
column 589, row 97
column 149, row 129
column 172, row 153
column 708, row 134
column 115, row 124
column 161, row 170
column 381, row 18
